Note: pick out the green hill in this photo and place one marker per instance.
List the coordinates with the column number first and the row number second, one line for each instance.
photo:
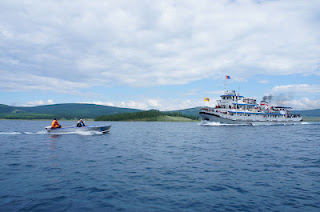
column 189, row 112
column 151, row 115
column 308, row 113
column 67, row 111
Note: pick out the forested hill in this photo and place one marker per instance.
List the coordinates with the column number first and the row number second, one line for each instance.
column 308, row 113
column 150, row 115
column 188, row 112
column 67, row 111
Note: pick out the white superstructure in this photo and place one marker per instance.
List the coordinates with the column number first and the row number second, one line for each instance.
column 233, row 108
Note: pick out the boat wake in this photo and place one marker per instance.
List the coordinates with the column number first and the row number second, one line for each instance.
column 217, row 124
column 10, row 133
column 78, row 133
column 255, row 124
column 310, row 123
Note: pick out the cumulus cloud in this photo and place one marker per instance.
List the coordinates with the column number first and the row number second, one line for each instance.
column 298, row 96
column 39, row 102
column 298, row 89
column 159, row 104
column 303, row 103
column 15, row 81
column 148, row 43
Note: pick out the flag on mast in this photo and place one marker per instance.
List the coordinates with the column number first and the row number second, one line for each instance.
column 206, row 99
column 228, row 77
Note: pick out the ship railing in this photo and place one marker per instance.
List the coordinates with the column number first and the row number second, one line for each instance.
column 207, row 109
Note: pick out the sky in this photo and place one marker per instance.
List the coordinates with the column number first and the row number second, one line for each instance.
column 164, row 54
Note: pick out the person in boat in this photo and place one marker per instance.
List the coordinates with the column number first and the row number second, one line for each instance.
column 80, row 123
column 55, row 124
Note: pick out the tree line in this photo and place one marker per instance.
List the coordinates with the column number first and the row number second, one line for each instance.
column 150, row 115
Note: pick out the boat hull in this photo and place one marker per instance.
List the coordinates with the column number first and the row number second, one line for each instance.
column 216, row 118
column 227, row 119
column 102, row 129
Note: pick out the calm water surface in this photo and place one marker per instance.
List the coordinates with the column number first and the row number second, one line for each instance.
column 154, row 166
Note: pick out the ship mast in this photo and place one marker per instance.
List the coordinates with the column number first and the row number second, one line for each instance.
column 225, row 84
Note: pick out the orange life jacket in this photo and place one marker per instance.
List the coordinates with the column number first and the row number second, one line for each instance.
column 55, row 124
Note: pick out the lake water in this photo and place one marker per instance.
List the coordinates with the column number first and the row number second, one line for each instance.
column 155, row 166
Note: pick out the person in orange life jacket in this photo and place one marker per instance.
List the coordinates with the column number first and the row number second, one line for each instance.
column 80, row 123
column 55, row 124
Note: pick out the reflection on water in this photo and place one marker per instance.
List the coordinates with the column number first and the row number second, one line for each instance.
column 54, row 136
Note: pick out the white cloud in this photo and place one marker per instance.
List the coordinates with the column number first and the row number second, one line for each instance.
column 154, row 103
column 298, row 96
column 101, row 103
column 15, row 81
column 298, row 89
column 144, row 43
column 39, row 102
column 303, row 104
column 158, row 104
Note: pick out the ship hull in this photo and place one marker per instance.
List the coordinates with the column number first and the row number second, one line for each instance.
column 226, row 118
column 216, row 118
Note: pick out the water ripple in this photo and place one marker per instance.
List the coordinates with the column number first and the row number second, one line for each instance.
column 161, row 167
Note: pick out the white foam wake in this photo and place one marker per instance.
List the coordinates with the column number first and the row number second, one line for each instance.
column 44, row 132
column 78, row 133
column 208, row 123
column 10, row 133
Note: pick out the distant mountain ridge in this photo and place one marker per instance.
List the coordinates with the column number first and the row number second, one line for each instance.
column 79, row 110
column 189, row 112
column 67, row 111
column 308, row 113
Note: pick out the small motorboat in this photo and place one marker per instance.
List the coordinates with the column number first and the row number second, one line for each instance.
column 102, row 129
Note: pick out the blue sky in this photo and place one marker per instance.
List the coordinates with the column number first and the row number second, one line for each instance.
column 158, row 54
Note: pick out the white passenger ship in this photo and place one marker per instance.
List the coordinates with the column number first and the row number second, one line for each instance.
column 236, row 109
